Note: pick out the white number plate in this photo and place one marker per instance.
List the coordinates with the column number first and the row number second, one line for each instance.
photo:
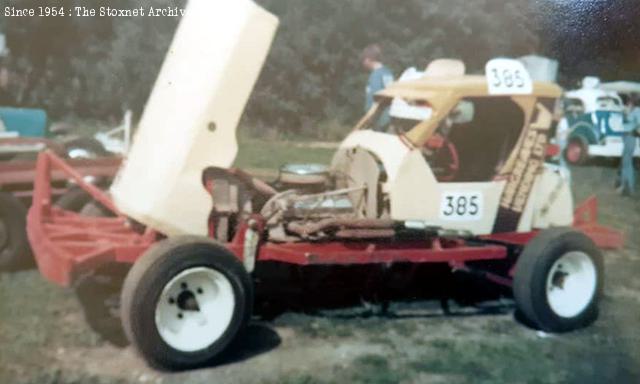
column 507, row 77
column 461, row 206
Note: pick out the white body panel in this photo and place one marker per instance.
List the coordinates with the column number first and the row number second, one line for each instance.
column 190, row 119
column 611, row 148
column 416, row 195
column 388, row 148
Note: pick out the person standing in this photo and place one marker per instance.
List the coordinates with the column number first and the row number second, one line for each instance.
column 379, row 78
column 631, row 126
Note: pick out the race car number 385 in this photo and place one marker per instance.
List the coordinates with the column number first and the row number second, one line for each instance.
column 463, row 206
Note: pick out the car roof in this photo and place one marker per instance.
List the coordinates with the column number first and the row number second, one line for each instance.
column 622, row 86
column 461, row 86
column 590, row 96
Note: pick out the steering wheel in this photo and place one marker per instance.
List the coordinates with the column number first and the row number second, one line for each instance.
column 443, row 158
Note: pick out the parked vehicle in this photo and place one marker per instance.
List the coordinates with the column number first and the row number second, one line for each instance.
column 595, row 114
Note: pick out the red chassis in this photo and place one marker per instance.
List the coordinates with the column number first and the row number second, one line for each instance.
column 67, row 244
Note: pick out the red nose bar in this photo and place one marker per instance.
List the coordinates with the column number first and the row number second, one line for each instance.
column 65, row 243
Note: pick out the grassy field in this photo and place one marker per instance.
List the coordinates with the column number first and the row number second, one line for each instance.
column 44, row 338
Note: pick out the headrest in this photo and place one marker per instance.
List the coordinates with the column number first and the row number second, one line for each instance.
column 445, row 67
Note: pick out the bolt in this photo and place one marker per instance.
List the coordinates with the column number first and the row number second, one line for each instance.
column 180, row 316
column 172, row 300
column 199, row 291
column 183, row 285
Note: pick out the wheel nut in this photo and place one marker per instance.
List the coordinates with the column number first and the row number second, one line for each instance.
column 172, row 300
column 183, row 285
column 199, row 291
column 180, row 316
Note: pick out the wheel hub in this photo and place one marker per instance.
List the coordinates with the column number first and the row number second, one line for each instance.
column 559, row 278
column 187, row 301
column 195, row 309
column 571, row 284
column 574, row 151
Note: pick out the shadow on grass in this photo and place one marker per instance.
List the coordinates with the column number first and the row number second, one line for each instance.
column 397, row 292
column 255, row 340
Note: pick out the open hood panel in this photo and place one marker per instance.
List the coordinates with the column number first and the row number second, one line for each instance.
column 190, row 120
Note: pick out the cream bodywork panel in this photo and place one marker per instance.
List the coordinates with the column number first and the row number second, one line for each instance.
column 190, row 119
column 388, row 148
column 416, row 195
column 550, row 202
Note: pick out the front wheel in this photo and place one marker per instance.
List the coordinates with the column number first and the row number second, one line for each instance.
column 558, row 280
column 184, row 301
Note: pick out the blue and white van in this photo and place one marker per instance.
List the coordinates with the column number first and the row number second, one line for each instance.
column 594, row 117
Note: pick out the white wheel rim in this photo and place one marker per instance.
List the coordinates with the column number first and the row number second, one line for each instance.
column 195, row 309
column 571, row 284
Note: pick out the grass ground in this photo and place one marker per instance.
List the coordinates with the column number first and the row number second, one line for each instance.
column 44, row 339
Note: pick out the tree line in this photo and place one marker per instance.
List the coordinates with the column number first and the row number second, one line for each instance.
column 312, row 81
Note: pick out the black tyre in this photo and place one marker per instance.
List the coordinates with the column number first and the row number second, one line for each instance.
column 99, row 296
column 74, row 199
column 85, row 148
column 184, row 301
column 558, row 280
column 95, row 209
column 15, row 252
column 577, row 151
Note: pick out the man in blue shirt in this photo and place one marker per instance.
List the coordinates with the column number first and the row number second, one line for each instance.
column 631, row 127
column 379, row 78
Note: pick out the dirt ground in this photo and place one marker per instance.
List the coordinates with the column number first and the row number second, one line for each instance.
column 44, row 338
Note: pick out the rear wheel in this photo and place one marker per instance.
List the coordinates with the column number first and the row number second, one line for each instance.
column 184, row 301
column 73, row 199
column 99, row 296
column 15, row 252
column 577, row 151
column 558, row 280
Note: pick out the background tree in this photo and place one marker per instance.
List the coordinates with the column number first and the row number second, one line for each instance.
column 312, row 83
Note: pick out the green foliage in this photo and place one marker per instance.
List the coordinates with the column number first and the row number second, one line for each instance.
column 312, row 83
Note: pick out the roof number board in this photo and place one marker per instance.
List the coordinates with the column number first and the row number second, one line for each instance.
column 508, row 77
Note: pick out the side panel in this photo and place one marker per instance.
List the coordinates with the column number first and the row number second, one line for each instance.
column 416, row 195
column 191, row 116
column 528, row 164
column 388, row 148
column 611, row 148
column 551, row 202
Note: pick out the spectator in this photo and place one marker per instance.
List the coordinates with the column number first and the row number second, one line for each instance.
column 631, row 126
column 380, row 76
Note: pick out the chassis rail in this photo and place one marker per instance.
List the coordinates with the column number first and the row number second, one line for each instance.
column 67, row 244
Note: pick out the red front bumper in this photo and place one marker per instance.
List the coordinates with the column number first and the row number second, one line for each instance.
column 585, row 219
column 66, row 244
